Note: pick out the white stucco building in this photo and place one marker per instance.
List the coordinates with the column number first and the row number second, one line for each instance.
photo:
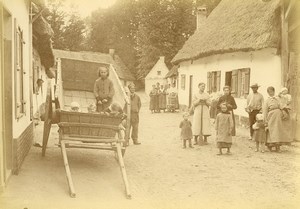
column 236, row 45
column 156, row 75
column 21, row 27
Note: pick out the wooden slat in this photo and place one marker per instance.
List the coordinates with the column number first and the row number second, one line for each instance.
column 89, row 125
column 99, row 140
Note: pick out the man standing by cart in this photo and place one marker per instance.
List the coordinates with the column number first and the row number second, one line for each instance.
column 135, row 104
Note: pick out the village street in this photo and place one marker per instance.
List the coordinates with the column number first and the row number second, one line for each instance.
column 160, row 172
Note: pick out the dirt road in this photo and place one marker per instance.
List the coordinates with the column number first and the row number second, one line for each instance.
column 162, row 175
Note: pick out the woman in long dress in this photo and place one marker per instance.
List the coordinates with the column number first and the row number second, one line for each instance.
column 231, row 105
column 163, row 98
column 201, row 119
column 153, row 101
column 279, row 129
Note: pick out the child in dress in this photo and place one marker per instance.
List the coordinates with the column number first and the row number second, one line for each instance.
column 259, row 134
column 285, row 100
column 186, row 130
column 103, row 89
column 224, row 126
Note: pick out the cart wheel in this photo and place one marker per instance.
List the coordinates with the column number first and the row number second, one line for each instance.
column 48, row 119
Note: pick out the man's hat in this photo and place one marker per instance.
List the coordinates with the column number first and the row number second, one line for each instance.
column 254, row 85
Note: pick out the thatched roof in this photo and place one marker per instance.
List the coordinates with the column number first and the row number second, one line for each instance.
column 121, row 69
column 173, row 72
column 235, row 25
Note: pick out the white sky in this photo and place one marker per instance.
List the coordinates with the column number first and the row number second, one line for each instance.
column 85, row 7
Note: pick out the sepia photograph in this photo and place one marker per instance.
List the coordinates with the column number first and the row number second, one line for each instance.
column 149, row 104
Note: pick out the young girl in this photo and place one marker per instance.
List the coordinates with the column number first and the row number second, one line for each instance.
column 103, row 89
column 224, row 126
column 259, row 134
column 186, row 130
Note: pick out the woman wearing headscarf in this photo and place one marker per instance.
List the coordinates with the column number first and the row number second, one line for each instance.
column 201, row 119
column 230, row 102
column 279, row 129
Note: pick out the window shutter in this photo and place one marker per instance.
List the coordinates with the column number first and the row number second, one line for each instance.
column 218, row 80
column 183, row 82
column 17, row 70
column 247, row 81
column 234, row 83
column 23, row 72
column 209, row 82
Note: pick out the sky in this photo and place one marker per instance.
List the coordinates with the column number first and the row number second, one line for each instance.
column 85, row 7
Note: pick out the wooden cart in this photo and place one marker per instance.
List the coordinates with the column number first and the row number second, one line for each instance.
column 85, row 130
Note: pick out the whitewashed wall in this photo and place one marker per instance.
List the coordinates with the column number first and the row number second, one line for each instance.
column 153, row 77
column 265, row 70
column 19, row 9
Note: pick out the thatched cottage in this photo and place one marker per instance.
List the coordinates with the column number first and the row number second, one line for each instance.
column 237, row 44
column 22, row 28
column 156, row 75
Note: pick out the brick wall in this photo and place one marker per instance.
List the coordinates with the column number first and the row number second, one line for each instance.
column 21, row 147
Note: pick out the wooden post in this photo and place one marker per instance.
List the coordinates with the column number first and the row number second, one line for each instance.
column 122, row 167
column 67, row 168
column 284, row 45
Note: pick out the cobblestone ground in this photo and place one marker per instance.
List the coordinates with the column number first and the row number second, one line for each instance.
column 160, row 172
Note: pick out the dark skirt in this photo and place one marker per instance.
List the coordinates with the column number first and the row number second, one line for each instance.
column 223, row 145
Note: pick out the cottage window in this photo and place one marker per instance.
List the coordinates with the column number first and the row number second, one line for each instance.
column 213, row 81
column 182, row 82
column 158, row 72
column 240, row 82
column 20, row 102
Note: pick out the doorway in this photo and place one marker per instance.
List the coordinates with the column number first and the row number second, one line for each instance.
column 228, row 76
column 191, row 91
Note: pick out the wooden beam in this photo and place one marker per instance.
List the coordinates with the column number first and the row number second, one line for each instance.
column 284, row 45
column 294, row 26
column 288, row 10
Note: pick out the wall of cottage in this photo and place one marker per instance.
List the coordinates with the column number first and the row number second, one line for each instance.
column 19, row 129
column 265, row 69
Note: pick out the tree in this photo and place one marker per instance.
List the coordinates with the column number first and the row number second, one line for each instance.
column 56, row 18
column 74, row 32
column 163, row 28
column 68, row 28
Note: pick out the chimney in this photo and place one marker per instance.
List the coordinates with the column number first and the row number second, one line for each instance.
column 162, row 58
column 112, row 53
column 201, row 16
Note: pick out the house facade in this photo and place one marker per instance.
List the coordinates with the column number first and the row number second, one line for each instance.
column 156, row 75
column 238, row 44
column 17, row 129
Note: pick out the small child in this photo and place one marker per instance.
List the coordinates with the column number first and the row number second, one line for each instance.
column 224, row 126
column 103, row 89
column 186, row 130
column 259, row 134
column 91, row 108
column 285, row 100
column 114, row 109
column 75, row 107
